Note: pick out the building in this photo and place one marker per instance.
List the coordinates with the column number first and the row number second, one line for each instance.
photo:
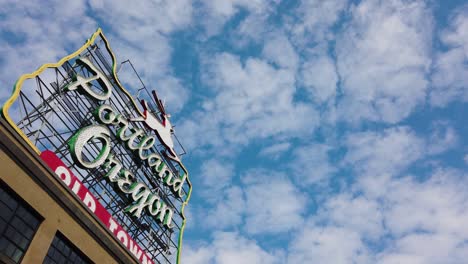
column 40, row 220
column 87, row 177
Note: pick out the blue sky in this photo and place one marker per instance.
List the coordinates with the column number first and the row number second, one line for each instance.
column 317, row 131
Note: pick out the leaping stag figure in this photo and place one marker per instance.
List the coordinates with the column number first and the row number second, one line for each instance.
column 162, row 128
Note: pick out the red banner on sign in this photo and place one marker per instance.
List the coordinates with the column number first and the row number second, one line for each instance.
column 64, row 174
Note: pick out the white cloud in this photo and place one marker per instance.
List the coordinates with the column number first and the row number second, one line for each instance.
column 311, row 32
column 377, row 157
column 253, row 100
column 275, row 150
column 383, row 57
column 171, row 90
column 311, row 164
column 424, row 218
column 279, row 50
column 427, row 248
column 216, row 176
column 48, row 32
column 273, row 203
column 401, row 259
column 253, row 28
column 450, row 78
column 315, row 244
column 144, row 18
column 225, row 203
column 427, row 219
column 442, row 138
column 388, row 151
column 265, row 203
column 190, row 218
column 358, row 213
column 54, row 29
column 194, row 255
column 228, row 212
column 230, row 248
column 319, row 76
column 412, row 222
column 141, row 35
column 214, row 14
column 315, row 20
column 437, row 205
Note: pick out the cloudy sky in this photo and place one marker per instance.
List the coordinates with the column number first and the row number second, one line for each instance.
column 318, row 131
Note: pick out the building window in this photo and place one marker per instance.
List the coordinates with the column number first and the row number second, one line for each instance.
column 63, row 251
column 18, row 224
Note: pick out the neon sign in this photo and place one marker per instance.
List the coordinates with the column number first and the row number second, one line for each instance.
column 122, row 160
column 125, row 179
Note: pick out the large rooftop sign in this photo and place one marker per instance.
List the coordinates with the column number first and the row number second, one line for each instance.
column 119, row 160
